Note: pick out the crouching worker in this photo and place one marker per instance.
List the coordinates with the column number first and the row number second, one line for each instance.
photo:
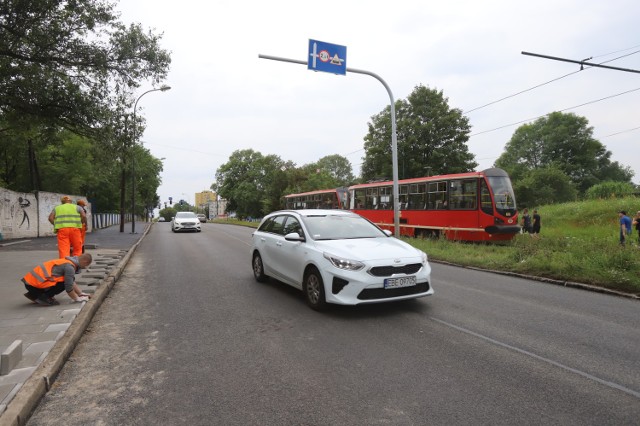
column 52, row 277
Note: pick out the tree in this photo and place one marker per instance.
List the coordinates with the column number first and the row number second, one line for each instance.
column 72, row 65
column 251, row 182
column 65, row 62
column 148, row 169
column 339, row 168
column 564, row 141
column 432, row 138
column 544, row 185
column 332, row 171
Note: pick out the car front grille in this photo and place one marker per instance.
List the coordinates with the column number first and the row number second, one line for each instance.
column 387, row 293
column 387, row 271
column 188, row 223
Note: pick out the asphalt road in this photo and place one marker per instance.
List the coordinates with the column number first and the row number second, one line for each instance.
column 188, row 337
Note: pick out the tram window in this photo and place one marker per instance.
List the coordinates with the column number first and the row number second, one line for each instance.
column 463, row 194
column 485, row 198
column 417, row 196
column 359, row 198
column 437, row 195
column 404, row 199
column 371, row 201
column 385, row 198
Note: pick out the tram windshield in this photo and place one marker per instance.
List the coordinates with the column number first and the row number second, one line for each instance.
column 503, row 194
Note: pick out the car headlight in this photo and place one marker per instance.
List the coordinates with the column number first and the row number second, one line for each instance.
column 345, row 264
column 424, row 258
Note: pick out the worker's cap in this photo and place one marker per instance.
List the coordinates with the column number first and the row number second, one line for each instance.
column 81, row 203
column 66, row 199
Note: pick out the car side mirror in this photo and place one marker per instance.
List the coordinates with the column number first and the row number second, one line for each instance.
column 389, row 233
column 294, row 236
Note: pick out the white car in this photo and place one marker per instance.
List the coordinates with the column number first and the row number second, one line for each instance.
column 335, row 256
column 185, row 221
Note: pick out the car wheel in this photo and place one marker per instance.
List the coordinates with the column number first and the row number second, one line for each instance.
column 258, row 268
column 313, row 288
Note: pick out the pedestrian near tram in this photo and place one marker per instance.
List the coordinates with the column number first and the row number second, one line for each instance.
column 625, row 226
column 83, row 205
column 526, row 221
column 636, row 224
column 535, row 227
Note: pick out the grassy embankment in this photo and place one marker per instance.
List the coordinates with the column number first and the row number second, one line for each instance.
column 578, row 243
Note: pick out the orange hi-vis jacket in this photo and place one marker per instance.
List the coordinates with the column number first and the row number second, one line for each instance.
column 41, row 276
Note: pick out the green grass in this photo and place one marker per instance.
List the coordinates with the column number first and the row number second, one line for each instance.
column 578, row 243
column 234, row 221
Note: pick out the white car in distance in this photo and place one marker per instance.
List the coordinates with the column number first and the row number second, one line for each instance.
column 185, row 221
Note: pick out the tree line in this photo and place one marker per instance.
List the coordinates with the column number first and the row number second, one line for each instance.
column 69, row 73
column 554, row 159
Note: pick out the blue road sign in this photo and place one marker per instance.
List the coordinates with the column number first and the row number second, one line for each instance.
column 327, row 57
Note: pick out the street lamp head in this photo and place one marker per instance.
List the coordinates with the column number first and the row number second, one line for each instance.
column 164, row 88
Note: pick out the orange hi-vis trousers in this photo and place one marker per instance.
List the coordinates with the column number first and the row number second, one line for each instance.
column 67, row 238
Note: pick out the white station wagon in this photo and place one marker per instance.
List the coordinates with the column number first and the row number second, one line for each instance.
column 336, row 256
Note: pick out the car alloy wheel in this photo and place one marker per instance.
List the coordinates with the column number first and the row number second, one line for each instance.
column 258, row 269
column 314, row 290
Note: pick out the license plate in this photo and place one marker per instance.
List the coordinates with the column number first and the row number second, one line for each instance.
column 399, row 282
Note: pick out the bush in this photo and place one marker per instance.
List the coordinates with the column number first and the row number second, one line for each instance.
column 610, row 189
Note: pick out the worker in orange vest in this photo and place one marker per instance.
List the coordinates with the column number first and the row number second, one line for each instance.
column 50, row 278
column 83, row 206
column 67, row 220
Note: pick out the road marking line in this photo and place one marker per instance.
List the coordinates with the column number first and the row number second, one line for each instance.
column 541, row 358
column 234, row 237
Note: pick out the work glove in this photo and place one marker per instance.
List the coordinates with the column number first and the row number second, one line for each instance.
column 82, row 299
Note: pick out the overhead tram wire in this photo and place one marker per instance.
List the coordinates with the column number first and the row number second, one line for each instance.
column 544, row 84
column 621, row 132
column 562, row 110
column 521, row 92
column 556, row 79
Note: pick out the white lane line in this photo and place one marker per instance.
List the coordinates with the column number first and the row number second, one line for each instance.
column 233, row 236
column 541, row 358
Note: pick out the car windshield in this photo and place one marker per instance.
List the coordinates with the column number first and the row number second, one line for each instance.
column 185, row 215
column 336, row 227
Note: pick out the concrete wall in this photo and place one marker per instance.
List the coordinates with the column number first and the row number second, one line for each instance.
column 26, row 215
column 18, row 214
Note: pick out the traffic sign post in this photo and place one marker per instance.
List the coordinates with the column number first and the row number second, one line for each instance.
column 331, row 58
column 327, row 57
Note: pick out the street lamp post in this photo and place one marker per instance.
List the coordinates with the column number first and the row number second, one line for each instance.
column 164, row 88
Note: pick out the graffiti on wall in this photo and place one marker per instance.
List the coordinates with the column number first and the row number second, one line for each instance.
column 26, row 215
column 18, row 214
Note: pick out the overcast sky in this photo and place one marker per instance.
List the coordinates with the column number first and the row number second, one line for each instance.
column 224, row 98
